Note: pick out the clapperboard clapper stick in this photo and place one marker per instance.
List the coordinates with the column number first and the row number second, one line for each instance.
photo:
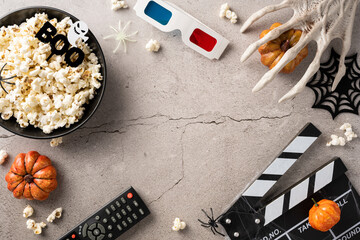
column 286, row 216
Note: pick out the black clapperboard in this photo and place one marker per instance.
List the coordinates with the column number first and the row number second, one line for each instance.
column 286, row 216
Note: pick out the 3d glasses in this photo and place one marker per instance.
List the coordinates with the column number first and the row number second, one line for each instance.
column 168, row 17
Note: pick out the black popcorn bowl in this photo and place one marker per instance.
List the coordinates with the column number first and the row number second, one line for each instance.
column 19, row 16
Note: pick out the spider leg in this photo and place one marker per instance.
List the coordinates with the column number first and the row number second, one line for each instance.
column 212, row 213
column 205, row 213
column 212, row 229
column 7, row 82
column 2, row 68
column 259, row 14
column 8, row 78
column 218, row 217
column 126, row 26
column 275, row 33
column 201, row 221
column 288, row 57
column 3, row 87
column 117, row 47
column 114, row 29
column 205, row 226
column 119, row 24
column 310, row 72
column 109, row 36
column 219, row 232
column 132, row 34
column 125, row 48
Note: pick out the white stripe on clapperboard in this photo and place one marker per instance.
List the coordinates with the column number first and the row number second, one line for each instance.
column 279, row 166
column 300, row 144
column 299, row 193
column 306, row 219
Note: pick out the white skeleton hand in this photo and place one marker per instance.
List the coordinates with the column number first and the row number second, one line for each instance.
column 321, row 21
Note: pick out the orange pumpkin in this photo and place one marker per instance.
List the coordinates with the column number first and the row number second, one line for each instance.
column 324, row 215
column 31, row 176
column 272, row 52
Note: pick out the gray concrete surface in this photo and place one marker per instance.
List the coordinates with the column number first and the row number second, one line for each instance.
column 185, row 131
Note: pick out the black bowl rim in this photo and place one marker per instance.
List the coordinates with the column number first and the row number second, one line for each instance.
column 82, row 121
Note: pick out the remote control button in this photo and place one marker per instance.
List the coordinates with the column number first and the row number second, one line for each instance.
column 135, row 203
column 107, row 211
column 119, row 227
column 113, row 207
column 128, row 208
column 84, row 230
column 113, row 219
column 124, row 223
column 97, row 218
column 118, row 204
column 110, row 227
column 104, row 220
column 100, row 237
column 91, row 236
column 130, row 195
column 96, row 232
column 123, row 200
column 101, row 227
column 123, row 212
column 130, row 220
column 141, row 211
column 134, row 216
column 109, row 235
column 92, row 226
column 118, row 215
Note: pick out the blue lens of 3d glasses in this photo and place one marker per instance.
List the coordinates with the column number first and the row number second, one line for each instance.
column 158, row 13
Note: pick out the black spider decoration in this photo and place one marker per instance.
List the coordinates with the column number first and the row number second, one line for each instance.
column 3, row 80
column 212, row 223
column 346, row 97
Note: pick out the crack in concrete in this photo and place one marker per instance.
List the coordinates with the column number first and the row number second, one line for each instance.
column 182, row 169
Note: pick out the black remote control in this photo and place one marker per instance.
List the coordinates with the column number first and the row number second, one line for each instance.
column 112, row 220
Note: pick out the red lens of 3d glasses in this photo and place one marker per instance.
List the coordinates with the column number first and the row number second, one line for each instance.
column 203, row 40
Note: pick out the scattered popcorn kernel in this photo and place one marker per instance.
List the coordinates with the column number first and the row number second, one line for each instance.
column 3, row 156
column 178, row 225
column 349, row 134
column 56, row 142
column 55, row 214
column 30, row 224
column 28, row 211
column 152, row 45
column 118, row 4
column 39, row 227
column 226, row 12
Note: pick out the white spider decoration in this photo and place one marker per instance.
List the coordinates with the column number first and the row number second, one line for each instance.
column 121, row 36
column 321, row 21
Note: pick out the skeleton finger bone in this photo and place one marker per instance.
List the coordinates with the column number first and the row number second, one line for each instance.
column 299, row 87
column 322, row 20
column 259, row 14
column 275, row 33
column 288, row 57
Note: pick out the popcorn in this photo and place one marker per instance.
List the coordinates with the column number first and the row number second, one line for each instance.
column 178, row 225
column 3, row 156
column 56, row 142
column 349, row 134
column 55, row 214
column 226, row 12
column 44, row 90
column 28, row 211
column 118, row 4
column 36, row 227
column 152, row 46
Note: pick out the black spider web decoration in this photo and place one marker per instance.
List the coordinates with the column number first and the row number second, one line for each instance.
column 346, row 97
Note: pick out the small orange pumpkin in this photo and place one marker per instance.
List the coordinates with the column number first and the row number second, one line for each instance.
column 271, row 52
column 324, row 215
column 31, row 176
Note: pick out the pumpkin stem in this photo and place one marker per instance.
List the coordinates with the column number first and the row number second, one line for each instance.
column 285, row 46
column 316, row 204
column 28, row 178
